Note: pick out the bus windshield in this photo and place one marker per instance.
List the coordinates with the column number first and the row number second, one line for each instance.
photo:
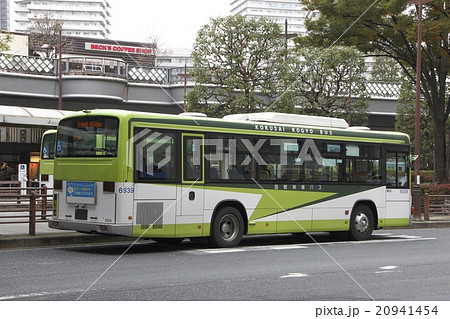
column 92, row 136
column 48, row 146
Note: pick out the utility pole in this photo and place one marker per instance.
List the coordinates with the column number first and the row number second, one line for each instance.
column 286, row 38
column 416, row 187
column 58, row 46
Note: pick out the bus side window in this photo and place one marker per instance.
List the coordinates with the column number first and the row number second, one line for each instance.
column 192, row 158
column 155, row 155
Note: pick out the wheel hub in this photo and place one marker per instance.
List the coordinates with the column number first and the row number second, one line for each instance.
column 361, row 222
column 228, row 227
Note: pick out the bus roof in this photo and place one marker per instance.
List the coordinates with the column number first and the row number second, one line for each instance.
column 252, row 125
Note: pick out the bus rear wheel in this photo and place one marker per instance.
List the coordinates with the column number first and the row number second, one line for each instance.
column 227, row 228
column 361, row 223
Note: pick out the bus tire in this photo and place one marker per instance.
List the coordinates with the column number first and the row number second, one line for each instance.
column 227, row 228
column 361, row 223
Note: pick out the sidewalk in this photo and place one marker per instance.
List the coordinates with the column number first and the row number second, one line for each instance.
column 16, row 235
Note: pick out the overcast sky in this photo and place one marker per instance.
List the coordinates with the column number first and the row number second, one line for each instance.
column 174, row 22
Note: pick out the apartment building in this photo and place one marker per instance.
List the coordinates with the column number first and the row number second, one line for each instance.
column 83, row 18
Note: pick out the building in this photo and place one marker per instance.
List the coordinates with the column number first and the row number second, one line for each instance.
column 174, row 58
column 279, row 11
column 21, row 129
column 4, row 15
column 83, row 18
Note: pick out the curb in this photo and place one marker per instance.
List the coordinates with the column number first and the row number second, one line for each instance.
column 45, row 240
column 430, row 224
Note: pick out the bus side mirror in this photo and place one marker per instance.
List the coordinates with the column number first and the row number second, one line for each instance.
column 412, row 158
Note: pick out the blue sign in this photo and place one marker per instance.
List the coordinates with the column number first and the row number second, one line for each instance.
column 59, row 147
column 80, row 189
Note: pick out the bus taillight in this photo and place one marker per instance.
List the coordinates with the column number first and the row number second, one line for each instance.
column 57, row 184
column 44, row 177
column 108, row 187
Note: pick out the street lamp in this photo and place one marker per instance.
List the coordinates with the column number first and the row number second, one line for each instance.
column 59, row 46
column 416, row 186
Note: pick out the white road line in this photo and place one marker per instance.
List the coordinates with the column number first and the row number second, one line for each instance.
column 244, row 249
column 40, row 294
column 387, row 269
column 294, row 275
column 389, row 239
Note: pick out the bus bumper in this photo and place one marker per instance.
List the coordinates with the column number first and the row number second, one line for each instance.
column 104, row 229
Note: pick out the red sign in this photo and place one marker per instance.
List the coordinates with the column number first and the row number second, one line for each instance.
column 117, row 48
column 89, row 124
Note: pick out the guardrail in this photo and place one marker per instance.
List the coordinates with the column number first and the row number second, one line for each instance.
column 436, row 205
column 31, row 203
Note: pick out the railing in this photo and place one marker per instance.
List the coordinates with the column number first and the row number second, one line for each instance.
column 133, row 73
column 436, row 205
column 90, row 66
column 25, row 64
column 29, row 208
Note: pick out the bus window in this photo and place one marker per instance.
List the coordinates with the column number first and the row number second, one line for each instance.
column 397, row 169
column 363, row 164
column 87, row 137
column 155, row 155
column 48, row 146
column 229, row 158
column 192, row 158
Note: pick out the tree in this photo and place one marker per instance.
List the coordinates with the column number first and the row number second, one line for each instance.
column 405, row 122
column 154, row 42
column 389, row 27
column 238, row 67
column 44, row 32
column 325, row 80
column 5, row 39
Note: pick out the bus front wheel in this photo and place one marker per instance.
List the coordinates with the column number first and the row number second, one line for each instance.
column 361, row 223
column 227, row 228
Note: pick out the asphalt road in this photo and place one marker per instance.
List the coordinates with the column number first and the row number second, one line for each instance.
column 401, row 264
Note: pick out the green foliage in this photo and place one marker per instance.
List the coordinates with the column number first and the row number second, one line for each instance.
column 389, row 28
column 5, row 39
column 405, row 122
column 238, row 66
column 324, row 79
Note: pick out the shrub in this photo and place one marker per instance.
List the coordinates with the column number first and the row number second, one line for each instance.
column 441, row 189
column 426, row 176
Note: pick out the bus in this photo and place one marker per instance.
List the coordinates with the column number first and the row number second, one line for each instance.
column 171, row 177
column 47, row 156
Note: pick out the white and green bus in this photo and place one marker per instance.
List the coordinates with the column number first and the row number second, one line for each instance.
column 47, row 156
column 170, row 177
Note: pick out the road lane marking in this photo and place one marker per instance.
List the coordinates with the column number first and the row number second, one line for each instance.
column 388, row 239
column 294, row 275
column 245, row 249
column 387, row 269
column 40, row 294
